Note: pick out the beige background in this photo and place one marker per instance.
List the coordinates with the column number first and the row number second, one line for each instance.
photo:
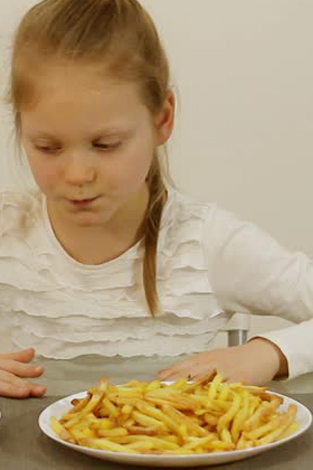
column 243, row 138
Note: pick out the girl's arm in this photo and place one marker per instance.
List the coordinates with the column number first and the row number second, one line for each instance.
column 251, row 273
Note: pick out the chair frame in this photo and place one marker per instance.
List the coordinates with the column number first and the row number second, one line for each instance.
column 237, row 329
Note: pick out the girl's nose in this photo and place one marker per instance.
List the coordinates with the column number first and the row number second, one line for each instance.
column 79, row 170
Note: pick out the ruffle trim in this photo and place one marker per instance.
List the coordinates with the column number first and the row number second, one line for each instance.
column 161, row 346
column 110, row 306
column 80, row 329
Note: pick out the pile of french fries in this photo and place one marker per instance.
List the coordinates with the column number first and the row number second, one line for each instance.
column 178, row 418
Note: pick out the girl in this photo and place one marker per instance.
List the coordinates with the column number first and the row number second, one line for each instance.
column 105, row 268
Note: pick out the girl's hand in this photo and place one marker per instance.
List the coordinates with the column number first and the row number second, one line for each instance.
column 256, row 362
column 14, row 369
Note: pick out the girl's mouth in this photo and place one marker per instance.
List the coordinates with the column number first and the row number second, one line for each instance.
column 82, row 202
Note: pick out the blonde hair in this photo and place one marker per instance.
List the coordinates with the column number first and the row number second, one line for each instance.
column 121, row 34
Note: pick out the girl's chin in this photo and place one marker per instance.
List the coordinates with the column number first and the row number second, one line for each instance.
column 88, row 220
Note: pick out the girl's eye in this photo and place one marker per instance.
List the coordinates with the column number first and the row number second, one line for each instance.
column 46, row 149
column 106, row 146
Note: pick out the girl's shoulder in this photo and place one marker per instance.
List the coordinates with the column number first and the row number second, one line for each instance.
column 183, row 223
column 20, row 211
column 186, row 219
column 183, row 213
column 185, row 210
column 183, row 207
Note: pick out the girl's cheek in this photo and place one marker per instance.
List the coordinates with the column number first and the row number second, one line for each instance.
column 45, row 175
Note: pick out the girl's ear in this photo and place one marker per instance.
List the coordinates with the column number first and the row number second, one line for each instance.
column 164, row 120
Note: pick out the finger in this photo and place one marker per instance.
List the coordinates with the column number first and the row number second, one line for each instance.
column 38, row 391
column 8, row 378
column 181, row 369
column 21, row 369
column 171, row 375
column 25, row 355
column 198, row 371
column 206, row 377
column 164, row 374
column 179, row 375
column 10, row 390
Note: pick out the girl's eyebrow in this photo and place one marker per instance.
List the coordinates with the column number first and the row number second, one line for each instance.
column 42, row 134
column 105, row 132
column 113, row 131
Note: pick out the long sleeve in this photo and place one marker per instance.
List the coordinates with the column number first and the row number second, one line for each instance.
column 251, row 273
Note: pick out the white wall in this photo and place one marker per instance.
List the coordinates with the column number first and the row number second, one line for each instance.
column 243, row 139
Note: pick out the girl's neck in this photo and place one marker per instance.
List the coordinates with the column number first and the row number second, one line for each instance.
column 94, row 245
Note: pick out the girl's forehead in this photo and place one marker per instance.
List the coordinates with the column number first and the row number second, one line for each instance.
column 75, row 89
column 78, row 99
column 83, row 76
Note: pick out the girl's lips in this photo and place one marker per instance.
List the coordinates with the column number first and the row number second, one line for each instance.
column 82, row 202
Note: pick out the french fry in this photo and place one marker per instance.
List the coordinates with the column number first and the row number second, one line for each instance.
column 155, row 385
column 179, row 418
column 291, row 429
column 244, row 444
column 225, row 420
column 164, row 396
column 79, row 404
column 240, row 418
column 158, row 442
column 211, row 419
column 127, row 409
column 148, row 421
column 214, row 387
column 101, row 432
column 181, row 384
column 191, row 427
column 143, row 430
column 102, row 423
column 57, row 427
column 104, row 444
column 262, row 414
column 284, row 421
column 199, row 442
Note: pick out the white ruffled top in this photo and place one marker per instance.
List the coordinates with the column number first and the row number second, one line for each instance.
column 65, row 309
column 209, row 265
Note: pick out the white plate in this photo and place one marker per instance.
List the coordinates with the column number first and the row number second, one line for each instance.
column 304, row 418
